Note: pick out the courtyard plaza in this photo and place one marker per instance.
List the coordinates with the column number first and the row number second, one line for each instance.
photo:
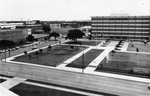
column 90, row 69
column 94, row 64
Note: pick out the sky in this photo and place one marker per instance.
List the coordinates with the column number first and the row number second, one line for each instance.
column 51, row 10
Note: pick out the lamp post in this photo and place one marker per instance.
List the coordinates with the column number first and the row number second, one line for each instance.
column 5, row 53
column 83, row 63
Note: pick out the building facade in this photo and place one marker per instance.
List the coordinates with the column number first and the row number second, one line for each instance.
column 34, row 28
column 121, row 27
column 15, row 35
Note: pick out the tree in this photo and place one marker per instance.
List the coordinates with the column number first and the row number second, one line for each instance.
column 90, row 36
column 21, row 42
column 46, row 28
column 25, row 52
column 41, row 50
column 30, row 38
column 75, row 34
column 37, row 53
column 71, row 47
column 54, row 34
column 137, row 49
column 49, row 48
column 4, row 44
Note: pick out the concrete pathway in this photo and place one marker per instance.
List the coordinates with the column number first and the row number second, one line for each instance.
column 6, row 92
column 12, row 82
column 93, row 65
column 62, row 66
column 125, row 46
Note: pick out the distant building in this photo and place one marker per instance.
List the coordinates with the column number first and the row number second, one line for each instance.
column 15, row 35
column 85, row 29
column 34, row 28
column 121, row 27
column 40, row 37
column 9, row 25
column 69, row 25
column 119, row 14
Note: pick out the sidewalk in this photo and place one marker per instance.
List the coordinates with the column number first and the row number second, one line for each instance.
column 12, row 82
column 93, row 65
column 62, row 66
column 125, row 46
column 6, row 92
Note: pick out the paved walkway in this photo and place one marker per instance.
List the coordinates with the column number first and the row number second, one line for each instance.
column 61, row 66
column 6, row 92
column 93, row 65
column 12, row 82
column 125, row 46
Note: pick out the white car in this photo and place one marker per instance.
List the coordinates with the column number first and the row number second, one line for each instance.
column 148, row 86
column 34, row 47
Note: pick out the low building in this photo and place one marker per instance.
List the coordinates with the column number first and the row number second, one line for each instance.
column 33, row 28
column 9, row 25
column 40, row 37
column 15, row 35
column 85, row 29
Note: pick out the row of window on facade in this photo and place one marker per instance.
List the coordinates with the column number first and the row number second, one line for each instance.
column 121, row 18
column 121, row 32
column 124, row 35
column 138, row 34
column 142, row 30
column 116, row 24
column 121, row 22
column 124, row 26
column 120, row 28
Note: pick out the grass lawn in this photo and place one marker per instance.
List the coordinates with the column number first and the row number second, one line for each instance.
column 63, row 31
column 142, row 47
column 88, row 57
column 124, row 62
column 31, row 90
column 56, row 56
column 2, row 80
column 83, row 42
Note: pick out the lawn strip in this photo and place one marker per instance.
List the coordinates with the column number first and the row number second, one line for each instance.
column 55, row 56
column 124, row 63
column 84, row 60
column 2, row 80
column 73, row 88
column 141, row 46
column 32, row 90
column 6, row 76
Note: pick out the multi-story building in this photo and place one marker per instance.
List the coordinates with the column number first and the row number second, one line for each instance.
column 15, row 35
column 121, row 27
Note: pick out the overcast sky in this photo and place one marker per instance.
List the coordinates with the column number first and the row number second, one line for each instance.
column 69, row 9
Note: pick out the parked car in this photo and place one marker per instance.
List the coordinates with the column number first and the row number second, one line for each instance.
column 148, row 86
column 34, row 47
